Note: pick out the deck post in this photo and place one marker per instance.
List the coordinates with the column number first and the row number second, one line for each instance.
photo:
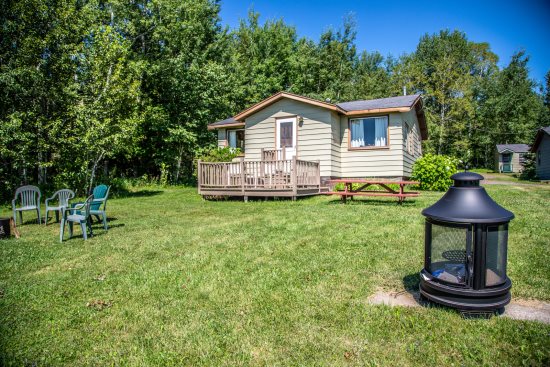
column 319, row 174
column 199, row 175
column 294, row 178
column 242, row 178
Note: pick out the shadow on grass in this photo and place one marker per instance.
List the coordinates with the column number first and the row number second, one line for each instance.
column 376, row 202
column 136, row 194
column 97, row 228
column 251, row 198
column 411, row 282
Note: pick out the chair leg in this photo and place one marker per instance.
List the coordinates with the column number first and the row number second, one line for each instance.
column 14, row 217
column 46, row 217
column 84, row 228
column 91, row 229
column 104, row 217
column 57, row 215
column 70, row 229
column 61, row 230
column 21, row 216
column 39, row 216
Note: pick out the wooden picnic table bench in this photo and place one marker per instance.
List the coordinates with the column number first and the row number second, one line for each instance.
column 364, row 184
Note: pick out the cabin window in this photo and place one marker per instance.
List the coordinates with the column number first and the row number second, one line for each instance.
column 235, row 139
column 369, row 132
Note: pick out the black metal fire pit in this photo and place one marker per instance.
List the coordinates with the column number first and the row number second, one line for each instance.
column 466, row 242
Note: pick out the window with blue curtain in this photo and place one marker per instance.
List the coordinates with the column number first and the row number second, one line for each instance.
column 369, row 132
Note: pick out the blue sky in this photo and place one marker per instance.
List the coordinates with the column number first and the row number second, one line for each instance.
column 394, row 27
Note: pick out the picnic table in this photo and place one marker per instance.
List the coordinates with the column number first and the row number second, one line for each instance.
column 364, row 184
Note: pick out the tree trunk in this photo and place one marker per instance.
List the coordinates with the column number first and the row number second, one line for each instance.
column 441, row 128
column 93, row 170
column 178, row 164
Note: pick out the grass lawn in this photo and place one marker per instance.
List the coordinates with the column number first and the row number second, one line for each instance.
column 182, row 281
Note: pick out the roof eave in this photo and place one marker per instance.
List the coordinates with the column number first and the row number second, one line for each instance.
column 214, row 127
column 377, row 111
column 278, row 96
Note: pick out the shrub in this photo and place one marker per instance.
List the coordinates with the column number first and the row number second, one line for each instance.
column 434, row 172
column 225, row 154
column 529, row 171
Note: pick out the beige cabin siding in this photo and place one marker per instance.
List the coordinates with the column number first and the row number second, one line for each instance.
column 314, row 134
column 409, row 159
column 336, row 141
column 383, row 162
column 222, row 138
column 516, row 165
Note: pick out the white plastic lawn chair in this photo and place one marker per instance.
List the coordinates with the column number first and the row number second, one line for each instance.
column 63, row 196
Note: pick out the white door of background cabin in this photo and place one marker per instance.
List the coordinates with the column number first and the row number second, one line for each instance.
column 286, row 137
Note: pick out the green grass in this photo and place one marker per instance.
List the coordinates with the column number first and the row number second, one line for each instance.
column 482, row 170
column 203, row 283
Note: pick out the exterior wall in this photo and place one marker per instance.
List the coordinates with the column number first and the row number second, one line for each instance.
column 313, row 136
column 335, row 144
column 222, row 138
column 378, row 162
column 323, row 136
column 411, row 120
column 516, row 165
column 543, row 169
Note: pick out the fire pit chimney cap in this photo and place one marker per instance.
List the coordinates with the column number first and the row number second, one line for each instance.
column 467, row 202
column 467, row 176
column 466, row 179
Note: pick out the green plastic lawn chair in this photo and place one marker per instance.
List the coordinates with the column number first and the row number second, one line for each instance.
column 99, row 206
column 80, row 214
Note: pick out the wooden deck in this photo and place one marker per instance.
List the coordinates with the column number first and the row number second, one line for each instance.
column 266, row 178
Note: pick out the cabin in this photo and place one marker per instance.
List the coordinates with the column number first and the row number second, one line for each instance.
column 509, row 158
column 292, row 145
column 541, row 148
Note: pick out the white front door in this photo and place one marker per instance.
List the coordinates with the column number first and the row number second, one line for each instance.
column 286, row 137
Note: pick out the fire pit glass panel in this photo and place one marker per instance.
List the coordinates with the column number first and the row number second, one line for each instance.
column 448, row 253
column 495, row 256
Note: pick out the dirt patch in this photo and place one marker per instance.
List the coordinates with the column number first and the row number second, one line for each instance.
column 518, row 309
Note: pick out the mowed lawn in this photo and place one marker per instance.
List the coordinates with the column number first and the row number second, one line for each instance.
column 186, row 282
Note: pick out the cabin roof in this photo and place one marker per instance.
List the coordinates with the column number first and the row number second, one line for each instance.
column 542, row 131
column 380, row 103
column 228, row 122
column 515, row 148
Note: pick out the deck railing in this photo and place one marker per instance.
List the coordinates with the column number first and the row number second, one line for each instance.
column 290, row 174
column 273, row 154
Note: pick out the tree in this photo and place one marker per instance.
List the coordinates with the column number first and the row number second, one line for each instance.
column 106, row 112
column 509, row 107
column 441, row 69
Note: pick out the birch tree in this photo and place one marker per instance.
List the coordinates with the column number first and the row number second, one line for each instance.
column 106, row 112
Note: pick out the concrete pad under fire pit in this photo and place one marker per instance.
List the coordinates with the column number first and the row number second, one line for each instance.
column 517, row 309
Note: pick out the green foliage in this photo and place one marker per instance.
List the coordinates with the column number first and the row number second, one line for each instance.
column 225, row 154
column 434, row 171
column 126, row 89
column 529, row 171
